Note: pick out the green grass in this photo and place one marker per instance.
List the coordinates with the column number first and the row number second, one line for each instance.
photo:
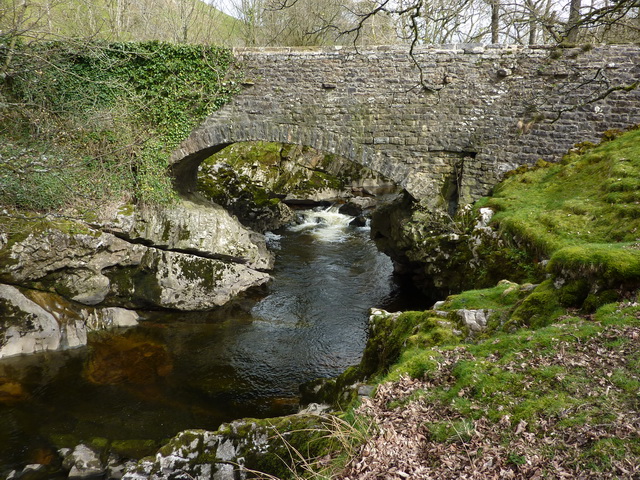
column 583, row 214
column 559, row 362
column 573, row 366
column 498, row 298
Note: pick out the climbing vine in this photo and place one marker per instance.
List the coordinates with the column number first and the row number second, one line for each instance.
column 116, row 108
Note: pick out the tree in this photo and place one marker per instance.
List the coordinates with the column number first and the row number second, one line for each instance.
column 574, row 21
column 509, row 21
column 297, row 23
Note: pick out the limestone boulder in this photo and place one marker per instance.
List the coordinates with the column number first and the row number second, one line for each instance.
column 111, row 317
column 474, row 320
column 203, row 229
column 83, row 264
column 180, row 281
column 34, row 321
column 25, row 327
column 64, row 247
column 232, row 451
column 83, row 462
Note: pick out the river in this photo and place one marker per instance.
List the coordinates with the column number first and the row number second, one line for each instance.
column 196, row 370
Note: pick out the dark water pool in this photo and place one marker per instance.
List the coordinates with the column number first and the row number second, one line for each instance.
column 197, row 370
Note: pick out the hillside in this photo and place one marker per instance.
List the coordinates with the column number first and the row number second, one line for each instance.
column 182, row 21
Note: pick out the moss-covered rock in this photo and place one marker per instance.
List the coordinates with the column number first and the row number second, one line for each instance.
column 389, row 335
column 198, row 227
column 272, row 446
column 253, row 179
column 214, row 257
column 180, row 281
column 445, row 254
column 538, row 309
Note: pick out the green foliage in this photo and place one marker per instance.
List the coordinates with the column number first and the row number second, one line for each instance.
column 110, row 113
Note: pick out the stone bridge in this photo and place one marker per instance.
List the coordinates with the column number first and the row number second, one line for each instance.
column 445, row 124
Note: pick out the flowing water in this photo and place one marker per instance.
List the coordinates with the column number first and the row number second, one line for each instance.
column 196, row 370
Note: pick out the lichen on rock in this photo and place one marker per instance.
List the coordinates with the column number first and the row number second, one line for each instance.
column 187, row 257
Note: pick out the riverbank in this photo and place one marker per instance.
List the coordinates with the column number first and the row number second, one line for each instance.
column 521, row 381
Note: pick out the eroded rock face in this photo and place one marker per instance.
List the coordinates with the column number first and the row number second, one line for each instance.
column 34, row 321
column 256, row 181
column 188, row 257
column 180, row 281
column 206, row 230
column 443, row 253
column 80, row 251
column 26, row 327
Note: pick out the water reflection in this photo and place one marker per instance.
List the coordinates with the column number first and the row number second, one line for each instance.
column 179, row 371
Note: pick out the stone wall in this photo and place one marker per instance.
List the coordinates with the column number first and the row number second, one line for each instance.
column 483, row 110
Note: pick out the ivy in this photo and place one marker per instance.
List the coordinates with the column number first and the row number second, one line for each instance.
column 121, row 104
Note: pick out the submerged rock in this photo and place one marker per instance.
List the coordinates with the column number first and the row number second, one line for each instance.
column 130, row 359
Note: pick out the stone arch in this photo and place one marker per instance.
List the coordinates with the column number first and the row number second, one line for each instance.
column 213, row 137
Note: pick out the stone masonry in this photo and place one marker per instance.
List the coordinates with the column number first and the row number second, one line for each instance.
column 479, row 111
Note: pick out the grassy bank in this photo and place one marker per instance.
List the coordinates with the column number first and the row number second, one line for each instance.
column 583, row 214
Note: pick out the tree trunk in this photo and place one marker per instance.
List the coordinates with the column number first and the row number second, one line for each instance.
column 495, row 20
column 533, row 30
column 574, row 19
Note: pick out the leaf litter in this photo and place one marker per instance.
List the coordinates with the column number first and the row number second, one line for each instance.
column 597, row 436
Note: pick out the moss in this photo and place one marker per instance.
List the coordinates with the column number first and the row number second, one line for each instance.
column 611, row 264
column 570, row 205
column 127, row 209
column 166, row 231
column 502, row 295
column 99, row 445
column 277, row 446
column 191, row 439
column 203, row 272
column 602, row 453
column 574, row 293
column 136, row 449
column 597, row 300
column 414, row 362
column 539, row 309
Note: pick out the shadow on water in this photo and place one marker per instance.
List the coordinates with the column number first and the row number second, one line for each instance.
column 196, row 370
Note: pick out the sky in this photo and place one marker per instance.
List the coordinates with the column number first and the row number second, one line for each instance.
column 225, row 5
